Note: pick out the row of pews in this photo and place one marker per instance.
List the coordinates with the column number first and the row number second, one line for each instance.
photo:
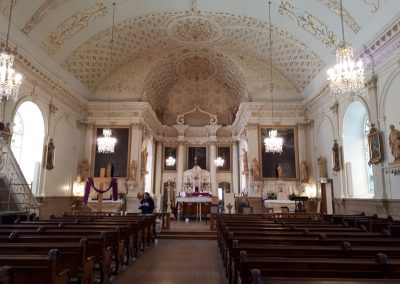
column 304, row 248
column 72, row 248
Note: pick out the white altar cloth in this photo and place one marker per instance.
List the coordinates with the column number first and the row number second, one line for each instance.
column 106, row 206
column 196, row 199
column 277, row 204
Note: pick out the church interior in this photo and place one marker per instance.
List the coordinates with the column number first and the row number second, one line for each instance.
column 233, row 115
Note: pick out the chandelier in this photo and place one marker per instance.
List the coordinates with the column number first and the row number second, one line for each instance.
column 9, row 79
column 106, row 143
column 347, row 76
column 170, row 161
column 219, row 162
column 273, row 144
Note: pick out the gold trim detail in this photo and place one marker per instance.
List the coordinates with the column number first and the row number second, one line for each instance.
column 73, row 25
column 40, row 14
column 334, row 6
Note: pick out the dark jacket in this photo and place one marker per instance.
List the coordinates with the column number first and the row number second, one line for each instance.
column 147, row 205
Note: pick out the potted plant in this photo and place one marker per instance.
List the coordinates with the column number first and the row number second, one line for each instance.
column 76, row 204
column 272, row 195
column 293, row 196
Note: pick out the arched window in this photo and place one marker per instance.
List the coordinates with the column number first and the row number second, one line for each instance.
column 27, row 141
column 355, row 150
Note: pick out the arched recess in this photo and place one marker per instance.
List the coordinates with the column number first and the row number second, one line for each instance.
column 27, row 141
column 323, row 143
column 60, row 179
column 355, row 151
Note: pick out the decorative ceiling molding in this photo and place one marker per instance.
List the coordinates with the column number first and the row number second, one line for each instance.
column 334, row 5
column 311, row 24
column 73, row 25
column 373, row 5
column 47, row 7
column 5, row 6
column 137, row 37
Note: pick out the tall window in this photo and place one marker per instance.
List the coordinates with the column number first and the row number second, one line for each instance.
column 27, row 141
column 370, row 173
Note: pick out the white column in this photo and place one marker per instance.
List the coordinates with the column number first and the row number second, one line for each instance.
column 252, row 143
column 179, row 167
column 213, row 168
column 235, row 168
column 158, row 172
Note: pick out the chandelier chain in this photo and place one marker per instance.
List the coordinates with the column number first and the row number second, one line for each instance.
column 270, row 61
column 9, row 24
column 341, row 17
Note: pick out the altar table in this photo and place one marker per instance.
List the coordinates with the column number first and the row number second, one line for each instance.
column 107, row 205
column 277, row 204
column 200, row 201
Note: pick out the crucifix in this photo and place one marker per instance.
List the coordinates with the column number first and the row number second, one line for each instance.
column 101, row 181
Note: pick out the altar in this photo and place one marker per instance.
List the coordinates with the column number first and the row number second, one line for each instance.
column 195, row 207
column 106, row 206
column 276, row 205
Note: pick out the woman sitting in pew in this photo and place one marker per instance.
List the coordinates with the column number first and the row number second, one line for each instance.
column 147, row 204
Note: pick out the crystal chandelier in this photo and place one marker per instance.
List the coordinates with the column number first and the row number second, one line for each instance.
column 170, row 161
column 219, row 162
column 106, row 143
column 273, row 144
column 9, row 79
column 347, row 76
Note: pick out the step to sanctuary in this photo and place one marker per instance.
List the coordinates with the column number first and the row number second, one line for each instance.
column 186, row 235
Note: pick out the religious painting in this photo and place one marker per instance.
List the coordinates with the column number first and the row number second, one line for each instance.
column 169, row 153
column 224, row 152
column 119, row 160
column 374, row 146
column 197, row 155
column 280, row 165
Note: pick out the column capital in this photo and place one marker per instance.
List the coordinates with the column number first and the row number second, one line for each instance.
column 252, row 126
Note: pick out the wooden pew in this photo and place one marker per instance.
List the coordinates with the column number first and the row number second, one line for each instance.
column 377, row 268
column 35, row 269
column 72, row 256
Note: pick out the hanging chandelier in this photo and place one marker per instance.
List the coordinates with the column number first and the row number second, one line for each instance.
column 219, row 162
column 273, row 144
column 347, row 76
column 170, row 161
column 9, row 79
column 106, row 143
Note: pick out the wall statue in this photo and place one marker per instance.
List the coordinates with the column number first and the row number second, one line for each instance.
column 144, row 162
column 255, row 170
column 245, row 161
column 336, row 156
column 304, row 172
column 322, row 167
column 84, row 170
column 132, row 170
column 51, row 151
column 394, row 142
column 109, row 170
column 279, row 171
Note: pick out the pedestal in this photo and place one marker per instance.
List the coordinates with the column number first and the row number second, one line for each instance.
column 326, row 204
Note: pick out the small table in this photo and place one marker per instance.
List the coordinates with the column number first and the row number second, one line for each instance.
column 299, row 203
column 198, row 200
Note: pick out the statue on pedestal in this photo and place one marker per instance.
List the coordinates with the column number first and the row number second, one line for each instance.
column 132, row 170
column 304, row 172
column 394, row 142
column 84, row 170
column 322, row 167
column 245, row 161
column 255, row 170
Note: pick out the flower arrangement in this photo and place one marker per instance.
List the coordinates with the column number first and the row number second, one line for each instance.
column 293, row 196
column 76, row 204
column 272, row 195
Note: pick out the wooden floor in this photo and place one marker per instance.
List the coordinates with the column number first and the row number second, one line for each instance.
column 178, row 261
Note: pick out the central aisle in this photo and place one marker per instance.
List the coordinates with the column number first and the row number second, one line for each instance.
column 177, row 262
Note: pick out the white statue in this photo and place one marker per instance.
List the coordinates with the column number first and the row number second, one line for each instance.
column 394, row 142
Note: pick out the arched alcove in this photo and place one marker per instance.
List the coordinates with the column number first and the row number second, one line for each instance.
column 27, row 141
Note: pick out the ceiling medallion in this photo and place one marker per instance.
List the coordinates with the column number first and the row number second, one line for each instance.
column 196, row 68
column 195, row 29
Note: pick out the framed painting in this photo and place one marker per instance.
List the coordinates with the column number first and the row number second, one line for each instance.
column 169, row 151
column 119, row 159
column 285, row 164
column 197, row 155
column 225, row 153
column 374, row 146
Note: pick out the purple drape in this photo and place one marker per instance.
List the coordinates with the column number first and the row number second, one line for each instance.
column 90, row 184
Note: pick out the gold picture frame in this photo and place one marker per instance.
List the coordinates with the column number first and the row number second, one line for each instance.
column 374, row 146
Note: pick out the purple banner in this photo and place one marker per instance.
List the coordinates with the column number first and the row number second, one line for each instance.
column 90, row 184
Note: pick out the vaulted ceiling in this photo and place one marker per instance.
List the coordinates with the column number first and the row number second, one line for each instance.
column 192, row 51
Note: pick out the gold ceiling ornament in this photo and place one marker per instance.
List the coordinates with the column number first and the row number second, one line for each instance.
column 309, row 23
column 334, row 5
column 47, row 7
column 273, row 144
column 9, row 79
column 106, row 143
column 196, row 68
column 195, row 29
column 347, row 76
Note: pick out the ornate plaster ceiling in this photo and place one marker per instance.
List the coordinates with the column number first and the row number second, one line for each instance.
column 163, row 46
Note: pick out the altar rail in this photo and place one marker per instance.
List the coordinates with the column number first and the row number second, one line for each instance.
column 299, row 215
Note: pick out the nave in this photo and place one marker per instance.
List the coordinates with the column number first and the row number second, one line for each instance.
column 177, row 262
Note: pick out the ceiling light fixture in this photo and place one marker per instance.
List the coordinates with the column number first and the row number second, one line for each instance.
column 106, row 143
column 347, row 76
column 273, row 143
column 9, row 79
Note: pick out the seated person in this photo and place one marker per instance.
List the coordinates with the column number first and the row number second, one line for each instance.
column 147, row 204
